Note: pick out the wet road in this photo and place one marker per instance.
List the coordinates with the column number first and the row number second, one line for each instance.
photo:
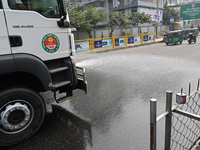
column 114, row 115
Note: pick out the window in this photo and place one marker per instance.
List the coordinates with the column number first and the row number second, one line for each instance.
column 172, row 35
column 47, row 8
column 0, row 5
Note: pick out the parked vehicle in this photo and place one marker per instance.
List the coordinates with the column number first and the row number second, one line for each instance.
column 173, row 37
column 192, row 38
column 36, row 45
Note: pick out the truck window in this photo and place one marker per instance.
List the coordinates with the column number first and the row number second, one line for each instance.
column 0, row 5
column 47, row 8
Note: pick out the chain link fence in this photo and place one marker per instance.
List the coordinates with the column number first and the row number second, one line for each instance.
column 185, row 131
column 182, row 122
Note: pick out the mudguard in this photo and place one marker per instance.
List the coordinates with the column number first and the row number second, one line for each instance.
column 26, row 63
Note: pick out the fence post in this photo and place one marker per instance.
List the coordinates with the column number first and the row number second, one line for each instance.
column 141, row 38
column 91, row 44
column 126, row 40
column 153, row 112
column 113, row 42
column 168, row 120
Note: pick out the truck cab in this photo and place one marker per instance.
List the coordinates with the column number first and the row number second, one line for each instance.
column 36, row 45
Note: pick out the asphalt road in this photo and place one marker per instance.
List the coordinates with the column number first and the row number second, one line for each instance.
column 115, row 114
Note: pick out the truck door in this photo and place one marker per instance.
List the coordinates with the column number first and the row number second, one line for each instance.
column 4, row 41
column 33, row 28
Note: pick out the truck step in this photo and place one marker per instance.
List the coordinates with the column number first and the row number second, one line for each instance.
column 58, row 70
column 60, row 84
column 62, row 99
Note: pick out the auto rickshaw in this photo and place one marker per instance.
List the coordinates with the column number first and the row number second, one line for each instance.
column 174, row 37
column 186, row 33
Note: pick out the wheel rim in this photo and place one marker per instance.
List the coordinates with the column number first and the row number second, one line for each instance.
column 15, row 116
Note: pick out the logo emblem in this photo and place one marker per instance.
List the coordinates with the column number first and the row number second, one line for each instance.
column 50, row 43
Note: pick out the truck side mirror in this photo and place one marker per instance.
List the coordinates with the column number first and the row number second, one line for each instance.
column 62, row 22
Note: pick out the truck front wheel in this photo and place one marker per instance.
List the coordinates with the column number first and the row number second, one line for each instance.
column 22, row 112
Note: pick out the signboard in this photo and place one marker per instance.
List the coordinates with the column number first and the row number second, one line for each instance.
column 130, row 40
column 154, row 23
column 150, row 37
column 136, row 39
column 190, row 11
column 172, row 19
column 97, row 44
column 145, row 38
column 119, row 42
column 106, row 43
column 153, row 13
column 116, row 42
column 82, row 46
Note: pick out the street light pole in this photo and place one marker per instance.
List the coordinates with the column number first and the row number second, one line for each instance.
column 157, row 18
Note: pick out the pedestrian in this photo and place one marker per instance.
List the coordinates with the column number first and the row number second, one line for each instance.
column 198, row 27
column 170, row 28
column 101, row 34
column 192, row 26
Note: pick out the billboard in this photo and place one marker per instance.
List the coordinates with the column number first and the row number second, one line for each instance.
column 190, row 11
column 106, row 43
column 119, row 42
column 152, row 12
column 82, row 46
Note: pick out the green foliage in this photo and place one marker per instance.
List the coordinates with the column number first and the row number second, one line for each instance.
column 94, row 15
column 128, row 33
column 117, row 19
column 87, row 20
column 137, row 17
column 168, row 12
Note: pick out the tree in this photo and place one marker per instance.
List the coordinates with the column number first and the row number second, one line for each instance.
column 117, row 19
column 168, row 12
column 87, row 20
column 95, row 15
column 139, row 18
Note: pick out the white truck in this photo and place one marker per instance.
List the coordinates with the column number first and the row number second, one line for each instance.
column 36, row 45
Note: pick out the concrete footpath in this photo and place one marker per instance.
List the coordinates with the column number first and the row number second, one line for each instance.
column 107, row 49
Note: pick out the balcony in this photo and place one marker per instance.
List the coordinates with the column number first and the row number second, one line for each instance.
column 134, row 2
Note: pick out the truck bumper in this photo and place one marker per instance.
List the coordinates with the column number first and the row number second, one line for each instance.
column 82, row 83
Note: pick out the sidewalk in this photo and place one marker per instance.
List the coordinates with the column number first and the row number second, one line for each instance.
column 107, row 49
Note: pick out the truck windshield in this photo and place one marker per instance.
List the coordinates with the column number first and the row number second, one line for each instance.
column 47, row 8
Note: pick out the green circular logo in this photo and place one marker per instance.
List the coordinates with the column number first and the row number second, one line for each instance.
column 50, row 43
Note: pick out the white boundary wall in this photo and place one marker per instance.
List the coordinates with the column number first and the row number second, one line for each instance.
column 118, row 32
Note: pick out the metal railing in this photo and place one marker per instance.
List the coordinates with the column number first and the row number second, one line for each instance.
column 127, row 40
column 182, row 122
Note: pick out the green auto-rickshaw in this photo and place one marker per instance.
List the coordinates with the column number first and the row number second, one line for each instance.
column 186, row 33
column 174, row 37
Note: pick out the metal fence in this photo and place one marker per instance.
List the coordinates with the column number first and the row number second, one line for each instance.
column 127, row 40
column 182, row 122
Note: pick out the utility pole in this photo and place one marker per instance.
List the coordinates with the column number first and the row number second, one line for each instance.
column 157, row 18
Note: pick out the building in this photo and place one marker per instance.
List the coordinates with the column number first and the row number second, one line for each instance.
column 126, row 6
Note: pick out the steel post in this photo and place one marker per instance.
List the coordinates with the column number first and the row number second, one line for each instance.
column 153, row 110
column 168, row 120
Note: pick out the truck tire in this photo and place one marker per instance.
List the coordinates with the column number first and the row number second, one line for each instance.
column 22, row 112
